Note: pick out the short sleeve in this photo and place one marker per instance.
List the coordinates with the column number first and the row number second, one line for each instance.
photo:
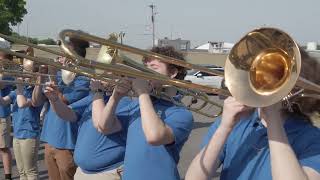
column 181, row 122
column 9, row 86
column 13, row 96
column 123, row 111
column 310, row 156
column 77, row 90
column 6, row 90
column 208, row 136
column 80, row 106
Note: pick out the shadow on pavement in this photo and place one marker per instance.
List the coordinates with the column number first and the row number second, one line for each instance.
column 197, row 125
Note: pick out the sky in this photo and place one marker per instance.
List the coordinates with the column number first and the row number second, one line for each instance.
column 199, row 21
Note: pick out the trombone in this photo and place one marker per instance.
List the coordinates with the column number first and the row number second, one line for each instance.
column 89, row 68
column 125, row 71
column 194, row 90
column 28, row 79
column 262, row 68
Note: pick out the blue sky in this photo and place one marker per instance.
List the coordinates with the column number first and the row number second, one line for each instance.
column 196, row 20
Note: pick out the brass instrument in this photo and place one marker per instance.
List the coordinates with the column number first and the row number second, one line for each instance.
column 129, row 72
column 110, row 55
column 261, row 69
column 24, row 74
column 51, row 62
column 19, row 68
column 26, row 78
column 136, row 70
column 88, row 68
column 264, row 67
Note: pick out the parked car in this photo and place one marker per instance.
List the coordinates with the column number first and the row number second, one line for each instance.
column 203, row 78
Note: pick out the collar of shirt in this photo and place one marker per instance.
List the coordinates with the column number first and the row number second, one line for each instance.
column 28, row 87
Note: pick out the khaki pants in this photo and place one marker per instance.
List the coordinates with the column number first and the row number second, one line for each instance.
column 5, row 129
column 26, row 153
column 60, row 163
column 114, row 174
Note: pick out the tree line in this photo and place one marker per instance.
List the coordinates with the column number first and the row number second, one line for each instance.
column 48, row 41
column 11, row 14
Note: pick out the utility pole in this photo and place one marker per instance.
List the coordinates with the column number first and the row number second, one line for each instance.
column 27, row 31
column 153, row 14
column 121, row 35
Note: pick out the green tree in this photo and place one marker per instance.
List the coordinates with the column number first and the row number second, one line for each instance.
column 25, row 38
column 11, row 13
column 48, row 41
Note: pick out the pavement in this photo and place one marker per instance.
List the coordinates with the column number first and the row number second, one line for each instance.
column 190, row 149
column 188, row 152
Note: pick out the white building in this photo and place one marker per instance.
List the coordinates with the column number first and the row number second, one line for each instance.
column 178, row 44
column 216, row 47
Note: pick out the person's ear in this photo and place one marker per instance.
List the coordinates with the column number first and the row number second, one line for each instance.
column 173, row 72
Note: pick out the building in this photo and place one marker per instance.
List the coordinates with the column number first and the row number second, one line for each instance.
column 215, row 47
column 178, row 44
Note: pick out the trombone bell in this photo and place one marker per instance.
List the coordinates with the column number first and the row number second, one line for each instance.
column 263, row 67
column 269, row 70
column 106, row 53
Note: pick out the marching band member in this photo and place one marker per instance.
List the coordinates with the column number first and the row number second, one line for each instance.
column 59, row 135
column 262, row 143
column 26, row 128
column 5, row 121
column 98, row 156
column 157, row 129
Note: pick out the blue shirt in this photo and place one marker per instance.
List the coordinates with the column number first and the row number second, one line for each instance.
column 26, row 121
column 57, row 132
column 143, row 160
column 5, row 110
column 246, row 153
column 94, row 151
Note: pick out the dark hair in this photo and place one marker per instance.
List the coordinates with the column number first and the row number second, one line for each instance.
column 79, row 46
column 305, row 107
column 171, row 52
column 9, row 56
